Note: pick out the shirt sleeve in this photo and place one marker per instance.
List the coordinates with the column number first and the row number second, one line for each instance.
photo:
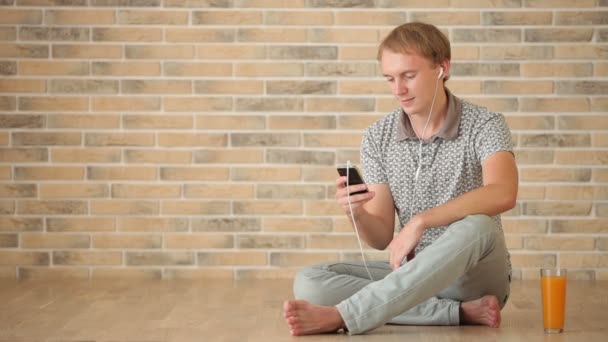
column 493, row 136
column 374, row 171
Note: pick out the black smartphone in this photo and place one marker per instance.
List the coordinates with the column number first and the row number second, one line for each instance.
column 354, row 177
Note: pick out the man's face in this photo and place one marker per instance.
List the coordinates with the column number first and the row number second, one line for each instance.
column 412, row 80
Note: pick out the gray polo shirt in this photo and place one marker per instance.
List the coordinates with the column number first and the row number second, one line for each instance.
column 451, row 159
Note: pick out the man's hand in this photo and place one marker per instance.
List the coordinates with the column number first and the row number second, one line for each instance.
column 405, row 242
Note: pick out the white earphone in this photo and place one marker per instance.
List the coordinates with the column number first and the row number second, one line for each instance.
column 440, row 72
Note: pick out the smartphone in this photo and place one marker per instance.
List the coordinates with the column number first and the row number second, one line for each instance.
column 354, row 177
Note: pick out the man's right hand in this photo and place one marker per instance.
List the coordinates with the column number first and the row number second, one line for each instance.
column 356, row 201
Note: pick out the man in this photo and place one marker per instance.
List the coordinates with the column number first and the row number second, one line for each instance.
column 446, row 166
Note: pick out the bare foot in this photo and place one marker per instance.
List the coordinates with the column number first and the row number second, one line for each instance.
column 484, row 311
column 305, row 318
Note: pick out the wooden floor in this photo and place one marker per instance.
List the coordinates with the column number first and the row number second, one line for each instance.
column 249, row 311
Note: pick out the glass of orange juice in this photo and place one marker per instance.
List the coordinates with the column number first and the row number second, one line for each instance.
column 553, row 288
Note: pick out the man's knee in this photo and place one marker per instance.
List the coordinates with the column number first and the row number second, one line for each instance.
column 481, row 224
column 308, row 285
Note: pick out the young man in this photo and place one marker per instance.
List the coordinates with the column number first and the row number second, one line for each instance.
column 446, row 166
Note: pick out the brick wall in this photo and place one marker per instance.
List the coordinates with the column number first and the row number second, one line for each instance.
column 198, row 138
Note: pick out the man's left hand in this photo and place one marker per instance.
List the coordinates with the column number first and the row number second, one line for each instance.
column 404, row 243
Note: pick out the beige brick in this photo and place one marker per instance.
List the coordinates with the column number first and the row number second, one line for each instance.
column 80, row 224
column 239, row 52
column 320, row 174
column 555, row 175
column 20, row 224
column 226, row 224
column 228, row 17
column 5, row 172
column 8, row 34
column 581, row 157
column 45, row 138
column 145, row 191
column 485, row 69
column 357, row 17
column 124, row 207
column 143, row 17
column 192, row 173
column 155, row 87
column 558, row 35
column 126, row 241
column 228, row 87
column 570, row 192
column 73, row 190
column 87, row 51
column 49, row 173
column 554, row 104
column 555, row 208
column 159, row 52
column 23, row 258
column 300, row 87
column 559, row 3
column 54, row 241
column 197, row 35
column 556, row 69
column 24, row 51
column 528, row 122
column 601, row 210
column 197, row 241
column 231, row 259
column 215, row 274
column 39, row 273
column 581, row 17
column 267, row 104
column 22, row 86
column 270, row 241
column 188, row 104
column 264, row 139
column 584, row 260
column 8, row 103
column 86, row 258
column 580, row 226
column 190, row 69
column 599, row 140
column 323, row 208
column 531, row 193
column 339, row 105
column 78, row 17
column 119, row 139
column 192, row 139
column 7, row 207
column 104, row 104
column 523, row 157
column 600, row 175
column 275, row 174
column 51, row 207
column 4, row 137
column 516, row 18
column 9, row 240
column 157, row 156
column 299, row 122
column 332, row 140
column 555, row 140
column 264, row 69
column 581, row 52
column 240, row 156
column 151, row 224
column 98, row 121
column 341, row 242
column 218, row 191
column 53, row 104
column 83, row 86
column 602, row 244
column 158, row 122
column 366, row 87
column 517, row 87
column 53, row 33
column 53, row 68
column 309, row 157
column 272, row 35
column 599, row 104
column 533, row 260
column 283, row 259
column 358, row 122
column 229, row 122
column 101, row 273
column 20, row 16
column 121, row 173
column 582, row 87
column 267, row 207
column 559, row 243
column 282, row 273
column 448, row 18
column 131, row 34
column 524, row 226
column 303, row 52
column 485, row 35
column 341, row 69
column 464, row 52
column 8, row 68
column 600, row 69
column 85, row 155
column 306, row 18
column 296, row 224
column 269, row 3
column 123, row 69
column 8, row 272
column 495, row 104
column 290, row 191
column 195, row 208
column 18, row 190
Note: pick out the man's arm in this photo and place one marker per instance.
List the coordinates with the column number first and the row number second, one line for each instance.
column 374, row 212
column 497, row 195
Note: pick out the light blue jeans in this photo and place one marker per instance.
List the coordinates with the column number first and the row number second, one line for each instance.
column 468, row 261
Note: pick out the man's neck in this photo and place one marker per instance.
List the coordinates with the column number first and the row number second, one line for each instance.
column 437, row 119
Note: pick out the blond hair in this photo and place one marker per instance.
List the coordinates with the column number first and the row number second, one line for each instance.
column 423, row 39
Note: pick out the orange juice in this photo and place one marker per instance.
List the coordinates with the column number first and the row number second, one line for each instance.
column 554, row 302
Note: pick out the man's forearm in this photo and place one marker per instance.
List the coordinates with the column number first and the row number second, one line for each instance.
column 377, row 233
